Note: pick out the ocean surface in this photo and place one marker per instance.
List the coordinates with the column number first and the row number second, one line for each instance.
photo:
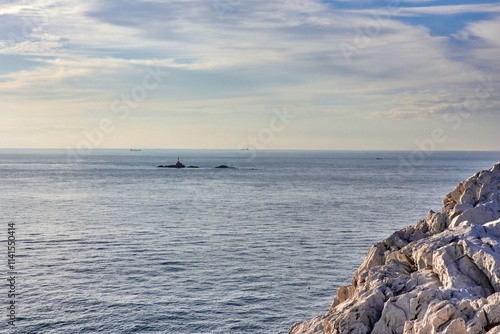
column 108, row 243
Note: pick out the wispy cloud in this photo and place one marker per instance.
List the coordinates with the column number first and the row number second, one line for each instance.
column 488, row 31
column 442, row 10
column 50, row 129
column 83, row 55
column 434, row 104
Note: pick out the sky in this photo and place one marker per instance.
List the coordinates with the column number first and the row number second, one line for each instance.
column 232, row 74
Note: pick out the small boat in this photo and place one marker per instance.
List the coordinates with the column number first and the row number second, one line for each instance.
column 132, row 150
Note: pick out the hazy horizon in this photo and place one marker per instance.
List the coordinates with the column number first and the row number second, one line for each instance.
column 75, row 151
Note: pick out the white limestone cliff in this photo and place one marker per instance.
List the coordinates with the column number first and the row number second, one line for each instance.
column 440, row 276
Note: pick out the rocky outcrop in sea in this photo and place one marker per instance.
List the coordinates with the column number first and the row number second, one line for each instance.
column 441, row 275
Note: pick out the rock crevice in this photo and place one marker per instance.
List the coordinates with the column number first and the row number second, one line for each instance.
column 441, row 275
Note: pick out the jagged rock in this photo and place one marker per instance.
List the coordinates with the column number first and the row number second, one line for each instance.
column 440, row 276
column 493, row 228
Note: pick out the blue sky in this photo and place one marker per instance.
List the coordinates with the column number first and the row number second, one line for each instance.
column 216, row 73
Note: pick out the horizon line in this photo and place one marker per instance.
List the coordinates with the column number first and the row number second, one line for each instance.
column 235, row 149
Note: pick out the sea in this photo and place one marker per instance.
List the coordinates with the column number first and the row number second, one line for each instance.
column 106, row 242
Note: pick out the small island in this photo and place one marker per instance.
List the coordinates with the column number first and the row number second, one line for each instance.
column 178, row 164
column 224, row 166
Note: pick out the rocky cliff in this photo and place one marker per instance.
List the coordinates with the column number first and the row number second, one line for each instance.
column 440, row 276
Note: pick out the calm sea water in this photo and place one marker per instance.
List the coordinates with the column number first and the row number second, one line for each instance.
column 108, row 243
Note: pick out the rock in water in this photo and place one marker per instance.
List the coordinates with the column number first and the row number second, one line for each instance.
column 440, row 276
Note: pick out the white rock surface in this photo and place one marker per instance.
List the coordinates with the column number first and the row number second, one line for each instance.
column 440, row 276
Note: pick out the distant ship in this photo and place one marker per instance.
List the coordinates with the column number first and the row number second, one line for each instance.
column 132, row 150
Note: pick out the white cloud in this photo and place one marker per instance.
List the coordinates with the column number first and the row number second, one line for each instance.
column 443, row 10
column 257, row 54
column 488, row 30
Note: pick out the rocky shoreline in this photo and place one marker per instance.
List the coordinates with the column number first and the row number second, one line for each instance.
column 441, row 275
